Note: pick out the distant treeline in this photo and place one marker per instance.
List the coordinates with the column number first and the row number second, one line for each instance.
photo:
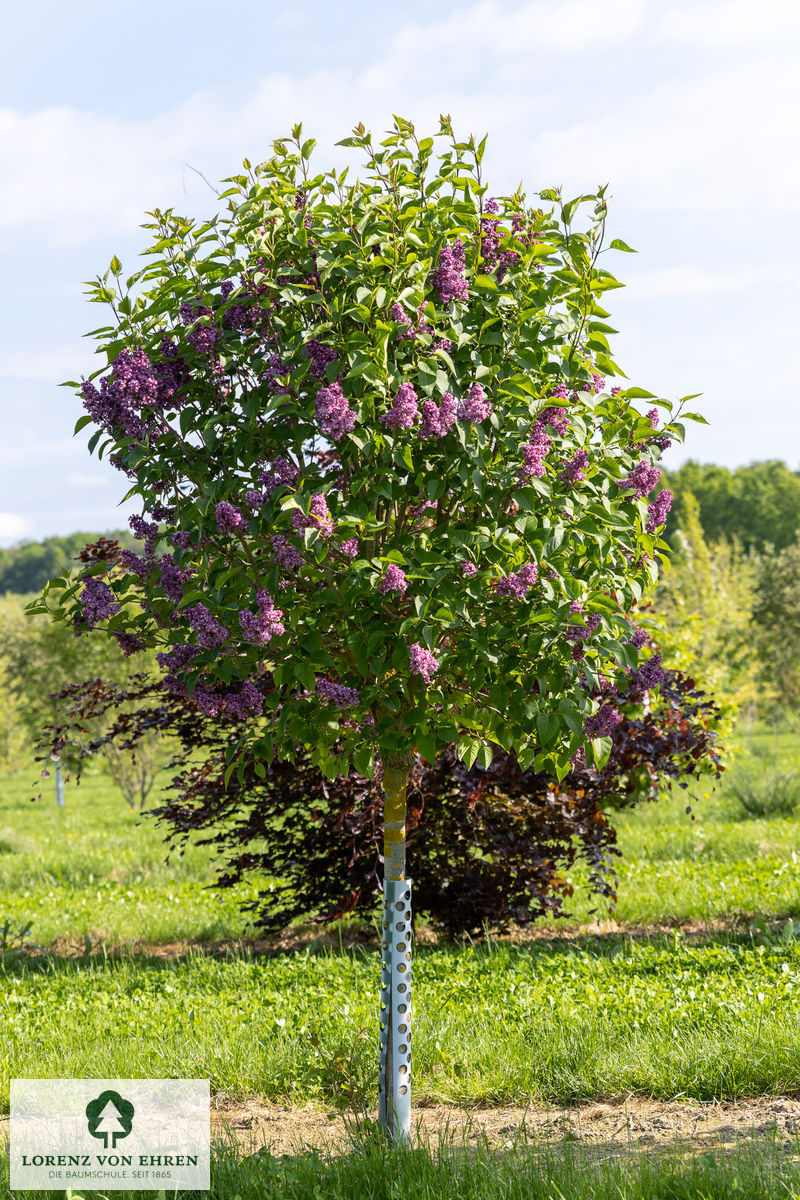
column 28, row 566
column 759, row 504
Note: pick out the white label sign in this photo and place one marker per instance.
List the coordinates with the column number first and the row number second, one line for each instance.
column 110, row 1134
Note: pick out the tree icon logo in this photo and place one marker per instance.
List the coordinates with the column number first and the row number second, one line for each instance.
column 110, row 1117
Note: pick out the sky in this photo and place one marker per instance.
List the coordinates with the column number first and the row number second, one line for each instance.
column 689, row 111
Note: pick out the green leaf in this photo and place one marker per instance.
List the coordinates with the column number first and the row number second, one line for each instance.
column 426, row 745
column 601, row 749
column 637, row 393
column 81, row 423
column 695, row 417
column 468, row 748
column 547, row 727
column 364, row 761
column 618, row 244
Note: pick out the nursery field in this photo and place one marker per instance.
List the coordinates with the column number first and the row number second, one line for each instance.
column 116, row 963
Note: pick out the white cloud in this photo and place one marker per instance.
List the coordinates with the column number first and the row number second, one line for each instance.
column 489, row 34
column 12, row 527
column 715, row 142
column 74, row 174
column 731, row 22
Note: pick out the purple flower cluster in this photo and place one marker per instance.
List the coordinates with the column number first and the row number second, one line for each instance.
column 134, row 385
column 557, row 417
column 97, row 601
column 657, row 510
column 334, row 415
column 281, row 473
column 133, row 562
column 228, row 518
column 116, row 406
column 203, row 338
column 581, row 633
column 637, row 638
column 534, row 453
column 642, row 479
column 254, row 499
column 318, row 518
column 172, row 373
column 247, row 703
column 575, row 469
column 602, row 723
column 468, row 569
column 437, row 421
column 277, row 369
column 401, row 317
column 259, row 627
column 597, row 384
column 172, row 579
column 349, row 548
column 648, row 675
column 337, row 693
column 394, row 580
column 181, row 539
column 210, row 633
column 491, row 241
column 404, row 410
column 321, row 357
column 578, row 634
column 135, row 378
column 129, row 643
column 173, row 662
column 652, row 417
column 146, row 531
column 423, row 663
column 517, row 583
column 449, row 278
column 284, row 554
column 476, row 407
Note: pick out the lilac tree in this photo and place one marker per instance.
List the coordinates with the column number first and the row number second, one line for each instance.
column 388, row 503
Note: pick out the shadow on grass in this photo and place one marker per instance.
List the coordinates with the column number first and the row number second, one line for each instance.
column 361, row 940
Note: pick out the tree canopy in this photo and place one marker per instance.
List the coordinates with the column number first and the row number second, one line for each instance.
column 371, row 418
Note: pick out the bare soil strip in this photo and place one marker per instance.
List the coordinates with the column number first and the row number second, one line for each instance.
column 607, row 1129
column 602, row 1129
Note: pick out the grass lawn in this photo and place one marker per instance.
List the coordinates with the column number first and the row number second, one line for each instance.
column 709, row 1013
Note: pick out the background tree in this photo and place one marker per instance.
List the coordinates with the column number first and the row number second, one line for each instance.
column 703, row 613
column 776, row 616
column 39, row 659
column 26, row 568
column 758, row 504
column 13, row 732
column 405, row 511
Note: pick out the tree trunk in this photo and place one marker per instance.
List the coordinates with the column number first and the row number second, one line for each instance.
column 394, row 1083
column 59, row 786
